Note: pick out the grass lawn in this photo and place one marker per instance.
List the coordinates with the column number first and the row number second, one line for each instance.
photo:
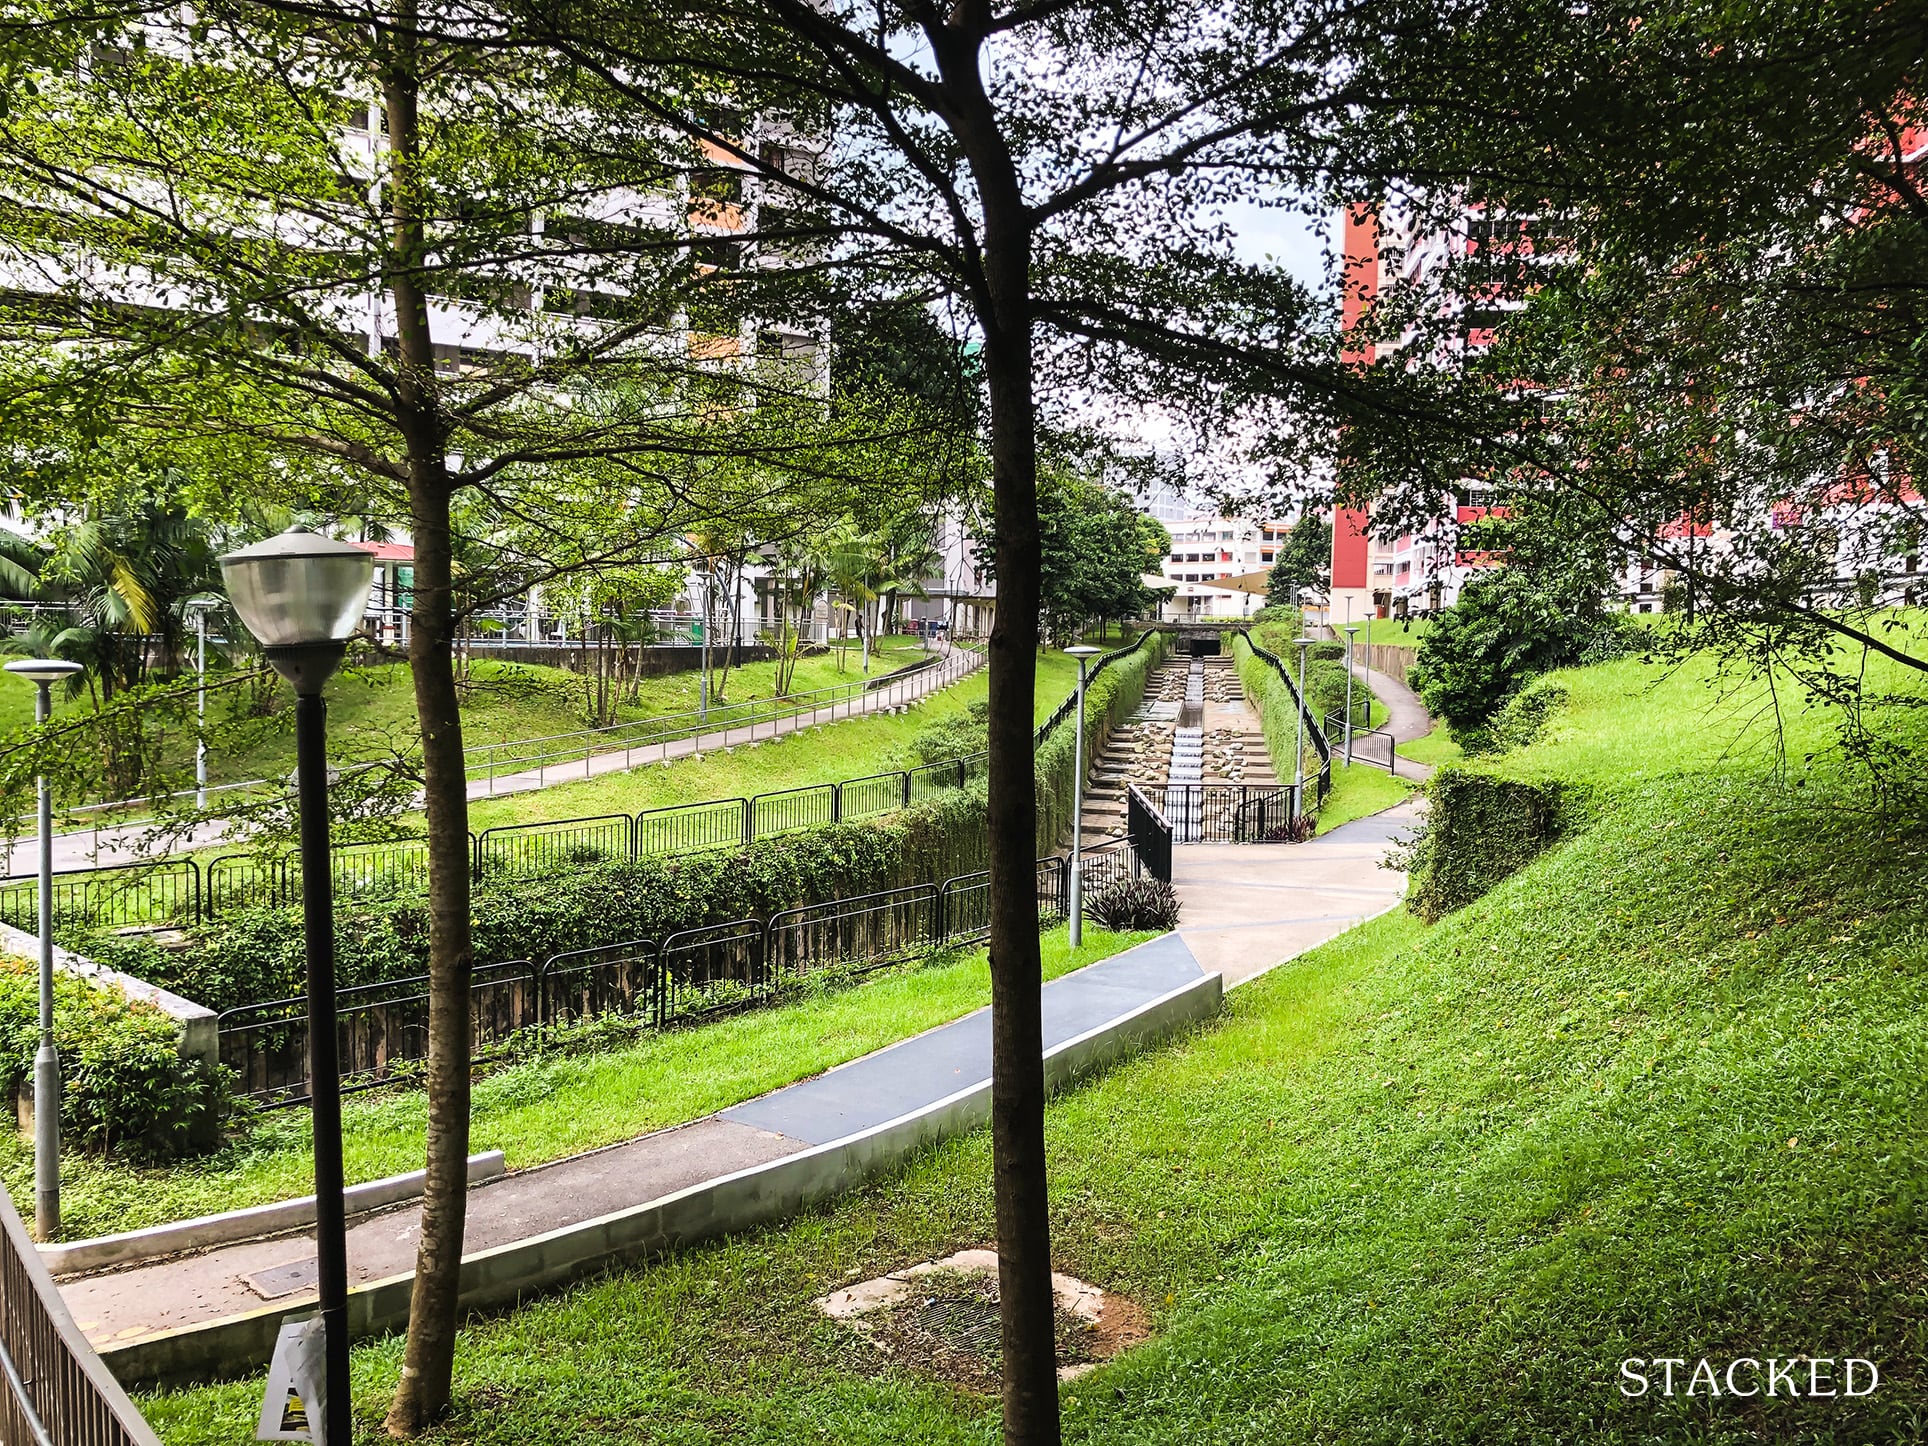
column 548, row 1107
column 828, row 753
column 1358, row 791
column 1436, row 748
column 1663, row 1093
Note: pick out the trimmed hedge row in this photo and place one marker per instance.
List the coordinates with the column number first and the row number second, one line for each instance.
column 1110, row 699
column 257, row 954
column 1278, row 714
column 1479, row 830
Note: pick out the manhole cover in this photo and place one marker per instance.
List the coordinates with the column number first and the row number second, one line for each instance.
column 280, row 1280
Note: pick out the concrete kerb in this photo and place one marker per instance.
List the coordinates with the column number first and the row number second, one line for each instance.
column 83, row 1257
column 742, row 1201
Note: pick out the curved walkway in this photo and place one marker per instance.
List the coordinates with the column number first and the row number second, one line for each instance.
column 122, row 844
column 216, row 1312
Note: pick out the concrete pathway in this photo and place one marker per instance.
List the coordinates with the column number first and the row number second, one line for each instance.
column 1249, row 906
column 123, row 1307
column 117, row 844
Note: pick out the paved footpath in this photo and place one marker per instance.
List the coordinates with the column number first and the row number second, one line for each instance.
column 1247, row 908
column 89, row 848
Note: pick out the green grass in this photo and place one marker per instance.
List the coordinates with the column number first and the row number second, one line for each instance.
column 827, row 753
column 1358, row 791
column 546, row 1108
column 1664, row 1092
column 1434, row 749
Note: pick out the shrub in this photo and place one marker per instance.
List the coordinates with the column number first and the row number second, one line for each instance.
column 124, row 1085
column 1112, row 697
column 1134, row 904
column 1505, row 630
column 1479, row 830
column 957, row 736
column 1518, row 723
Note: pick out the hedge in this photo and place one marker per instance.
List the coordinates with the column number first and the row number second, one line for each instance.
column 1479, row 830
column 1278, row 713
column 124, row 1085
column 1110, row 700
column 257, row 954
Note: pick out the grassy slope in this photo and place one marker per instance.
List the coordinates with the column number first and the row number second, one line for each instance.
column 546, row 1108
column 1358, row 791
column 876, row 743
column 1662, row 1093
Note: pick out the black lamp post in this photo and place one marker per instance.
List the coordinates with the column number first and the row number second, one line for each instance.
column 43, row 673
column 302, row 596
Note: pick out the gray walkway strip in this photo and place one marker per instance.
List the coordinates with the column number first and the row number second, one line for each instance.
column 210, row 1313
column 921, row 1071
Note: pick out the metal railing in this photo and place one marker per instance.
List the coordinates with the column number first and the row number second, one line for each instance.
column 733, row 723
column 1227, row 812
column 57, row 1392
column 1335, row 734
column 1150, row 834
column 691, row 974
column 181, row 892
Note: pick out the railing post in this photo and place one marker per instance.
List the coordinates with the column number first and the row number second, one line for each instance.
column 749, row 822
column 836, row 803
column 906, row 788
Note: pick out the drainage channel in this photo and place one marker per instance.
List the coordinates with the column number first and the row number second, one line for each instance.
column 1182, row 805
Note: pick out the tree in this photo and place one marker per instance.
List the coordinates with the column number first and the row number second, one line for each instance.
column 1049, row 169
column 1303, row 563
column 304, row 187
column 1506, row 628
column 1709, row 285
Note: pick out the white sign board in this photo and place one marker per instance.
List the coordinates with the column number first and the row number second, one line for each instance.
column 292, row 1409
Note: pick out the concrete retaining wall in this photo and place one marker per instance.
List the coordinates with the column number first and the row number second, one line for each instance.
column 82, row 1257
column 743, row 1201
column 195, row 1023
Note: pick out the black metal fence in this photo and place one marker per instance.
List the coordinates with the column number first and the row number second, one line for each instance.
column 1227, row 812
column 1150, row 834
column 1377, row 738
column 383, row 1028
column 181, row 892
column 58, row 1392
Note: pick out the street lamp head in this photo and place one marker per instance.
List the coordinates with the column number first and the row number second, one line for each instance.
column 1304, row 642
column 1082, row 651
column 1352, row 628
column 44, row 671
column 302, row 596
column 204, row 603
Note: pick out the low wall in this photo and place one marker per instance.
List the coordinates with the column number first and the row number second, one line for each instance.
column 195, row 1024
column 81, row 1257
column 196, row 1035
column 1392, row 659
column 746, row 1200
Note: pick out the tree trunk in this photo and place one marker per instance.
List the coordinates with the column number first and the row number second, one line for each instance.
column 1017, row 1031
column 429, row 1359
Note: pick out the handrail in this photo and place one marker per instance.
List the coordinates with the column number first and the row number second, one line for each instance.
column 1312, row 725
column 1070, row 705
column 57, row 1386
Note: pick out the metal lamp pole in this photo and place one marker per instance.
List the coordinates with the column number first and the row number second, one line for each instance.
column 43, row 673
column 201, row 607
column 1084, row 653
column 1350, row 631
column 1298, row 760
column 302, row 596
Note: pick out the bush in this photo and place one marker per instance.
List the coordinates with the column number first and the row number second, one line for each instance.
column 958, row 736
column 1479, row 830
column 1505, row 630
column 1519, row 722
column 124, row 1085
column 1134, row 904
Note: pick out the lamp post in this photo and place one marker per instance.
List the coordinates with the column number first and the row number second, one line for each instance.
column 1351, row 632
column 1084, row 653
column 43, row 673
column 302, row 596
column 201, row 607
column 1298, row 761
